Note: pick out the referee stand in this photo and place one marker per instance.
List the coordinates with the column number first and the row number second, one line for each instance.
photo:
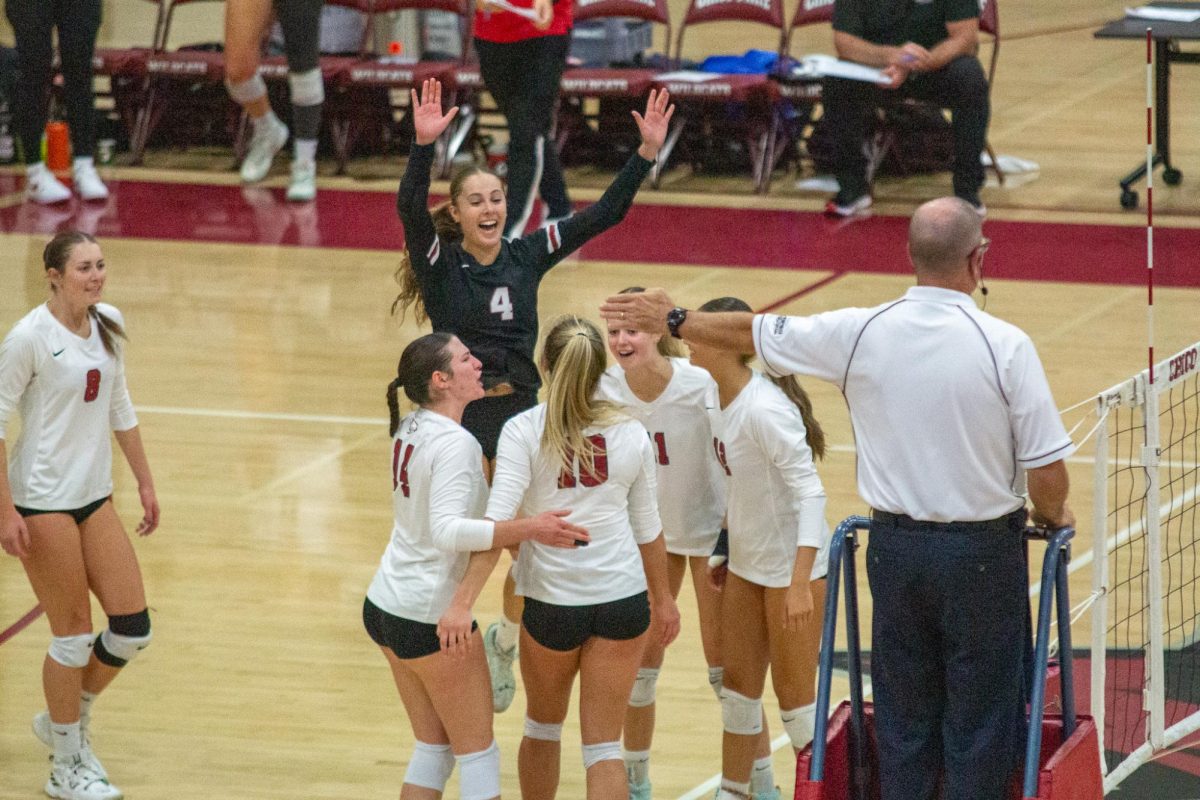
column 1062, row 756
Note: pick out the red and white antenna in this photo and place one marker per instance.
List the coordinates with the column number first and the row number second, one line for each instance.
column 1150, row 199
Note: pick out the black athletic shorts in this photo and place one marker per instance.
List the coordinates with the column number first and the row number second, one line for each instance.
column 567, row 627
column 405, row 637
column 486, row 416
column 80, row 515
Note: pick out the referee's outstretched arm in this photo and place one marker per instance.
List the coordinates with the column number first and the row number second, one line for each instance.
column 647, row 311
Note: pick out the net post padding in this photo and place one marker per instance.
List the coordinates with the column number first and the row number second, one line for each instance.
column 1099, row 572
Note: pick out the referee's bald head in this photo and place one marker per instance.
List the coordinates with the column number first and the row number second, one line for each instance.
column 942, row 234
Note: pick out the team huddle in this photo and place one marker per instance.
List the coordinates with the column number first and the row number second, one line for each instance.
column 624, row 479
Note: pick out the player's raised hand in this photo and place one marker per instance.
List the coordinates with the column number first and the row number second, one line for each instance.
column 428, row 119
column 655, row 123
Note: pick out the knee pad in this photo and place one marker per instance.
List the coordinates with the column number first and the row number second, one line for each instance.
column 545, row 731
column 741, row 715
column 799, row 724
column 247, row 91
column 604, row 751
column 430, row 766
column 643, row 688
column 126, row 636
column 716, row 679
column 72, row 651
column 479, row 774
column 308, row 88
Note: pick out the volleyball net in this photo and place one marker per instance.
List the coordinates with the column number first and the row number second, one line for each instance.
column 1145, row 599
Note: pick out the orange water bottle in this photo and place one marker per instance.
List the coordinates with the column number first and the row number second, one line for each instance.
column 58, row 148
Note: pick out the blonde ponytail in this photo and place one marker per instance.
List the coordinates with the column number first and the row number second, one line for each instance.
column 574, row 359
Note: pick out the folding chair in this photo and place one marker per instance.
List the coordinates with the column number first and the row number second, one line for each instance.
column 753, row 96
column 165, row 69
column 798, row 97
column 580, row 84
column 365, row 77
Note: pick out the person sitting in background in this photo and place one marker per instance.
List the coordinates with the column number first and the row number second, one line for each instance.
column 927, row 50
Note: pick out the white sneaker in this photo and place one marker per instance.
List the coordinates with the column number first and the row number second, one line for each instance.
column 41, row 729
column 264, row 144
column 500, row 661
column 303, row 186
column 42, row 187
column 74, row 779
column 88, row 183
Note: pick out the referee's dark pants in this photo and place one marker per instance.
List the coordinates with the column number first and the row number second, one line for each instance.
column 960, row 86
column 949, row 623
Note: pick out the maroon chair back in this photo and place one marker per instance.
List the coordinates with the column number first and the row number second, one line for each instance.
column 989, row 18
column 651, row 10
column 812, row 12
column 808, row 12
column 764, row 12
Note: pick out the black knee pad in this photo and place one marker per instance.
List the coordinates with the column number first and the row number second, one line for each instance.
column 131, row 624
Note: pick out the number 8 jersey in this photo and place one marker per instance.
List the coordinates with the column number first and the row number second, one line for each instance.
column 71, row 393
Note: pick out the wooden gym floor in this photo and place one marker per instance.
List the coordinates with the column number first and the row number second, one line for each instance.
column 261, row 345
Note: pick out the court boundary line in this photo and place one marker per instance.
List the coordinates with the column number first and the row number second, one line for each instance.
column 21, row 624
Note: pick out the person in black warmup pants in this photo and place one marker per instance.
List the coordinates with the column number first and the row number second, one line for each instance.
column 928, row 51
column 521, row 63
column 78, row 22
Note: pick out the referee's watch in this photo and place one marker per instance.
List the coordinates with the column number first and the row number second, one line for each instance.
column 676, row 317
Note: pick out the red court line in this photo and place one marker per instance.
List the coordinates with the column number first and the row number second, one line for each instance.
column 21, row 624
column 812, row 287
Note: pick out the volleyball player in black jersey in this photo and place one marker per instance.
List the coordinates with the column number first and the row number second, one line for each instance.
column 462, row 274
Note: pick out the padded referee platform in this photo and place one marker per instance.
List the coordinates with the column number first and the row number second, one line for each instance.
column 1068, row 769
column 1062, row 751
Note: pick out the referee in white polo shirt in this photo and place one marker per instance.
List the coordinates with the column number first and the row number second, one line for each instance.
column 952, row 416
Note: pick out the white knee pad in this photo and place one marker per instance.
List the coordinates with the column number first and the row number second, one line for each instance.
column 741, row 715
column 72, row 651
column 643, row 688
column 545, row 731
column 308, row 89
column 247, row 91
column 479, row 774
column 800, row 724
column 430, row 766
column 716, row 679
column 604, row 751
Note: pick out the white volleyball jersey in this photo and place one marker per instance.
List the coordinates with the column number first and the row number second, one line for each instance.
column 70, row 393
column 437, row 481
column 691, row 486
column 615, row 502
column 776, row 500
